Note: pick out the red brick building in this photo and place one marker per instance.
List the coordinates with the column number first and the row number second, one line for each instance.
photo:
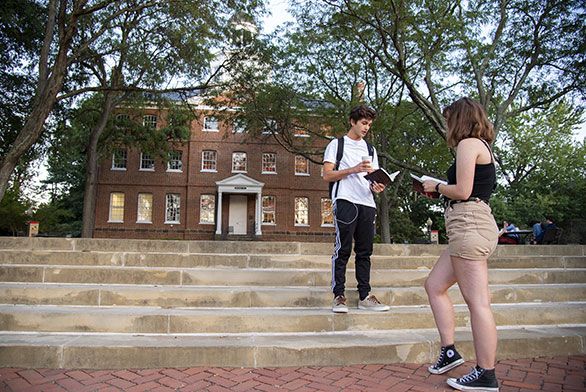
column 221, row 184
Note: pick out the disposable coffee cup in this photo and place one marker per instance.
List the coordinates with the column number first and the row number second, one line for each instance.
column 367, row 158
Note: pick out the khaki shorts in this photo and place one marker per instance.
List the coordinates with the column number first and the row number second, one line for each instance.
column 472, row 230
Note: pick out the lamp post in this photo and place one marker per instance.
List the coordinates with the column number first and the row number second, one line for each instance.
column 429, row 223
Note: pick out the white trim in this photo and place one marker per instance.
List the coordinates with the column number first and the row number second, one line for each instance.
column 144, row 222
column 172, row 222
column 208, row 171
column 266, row 172
column 303, row 174
column 146, row 170
column 118, row 168
column 115, row 221
column 174, row 171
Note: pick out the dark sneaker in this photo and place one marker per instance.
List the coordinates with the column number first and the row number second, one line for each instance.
column 477, row 380
column 339, row 305
column 448, row 359
column 372, row 303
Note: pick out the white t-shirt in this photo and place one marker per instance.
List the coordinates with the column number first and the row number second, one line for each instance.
column 354, row 187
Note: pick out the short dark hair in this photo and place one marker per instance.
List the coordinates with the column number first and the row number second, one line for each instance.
column 362, row 111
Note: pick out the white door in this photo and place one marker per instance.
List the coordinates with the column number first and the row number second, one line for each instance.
column 237, row 214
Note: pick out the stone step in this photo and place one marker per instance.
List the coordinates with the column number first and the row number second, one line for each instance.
column 259, row 247
column 194, row 260
column 119, row 351
column 259, row 296
column 260, row 276
column 26, row 318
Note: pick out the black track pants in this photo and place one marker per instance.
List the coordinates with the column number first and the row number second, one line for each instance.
column 353, row 221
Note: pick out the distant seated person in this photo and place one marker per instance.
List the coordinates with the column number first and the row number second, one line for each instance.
column 540, row 228
column 505, row 237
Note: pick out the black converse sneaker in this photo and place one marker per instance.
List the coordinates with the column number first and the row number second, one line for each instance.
column 478, row 379
column 448, row 359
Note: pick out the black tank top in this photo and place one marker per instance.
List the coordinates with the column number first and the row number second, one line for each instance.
column 484, row 177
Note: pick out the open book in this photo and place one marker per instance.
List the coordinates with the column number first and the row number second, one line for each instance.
column 381, row 176
column 418, row 185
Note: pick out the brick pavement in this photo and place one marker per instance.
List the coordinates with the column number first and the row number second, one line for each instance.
column 521, row 375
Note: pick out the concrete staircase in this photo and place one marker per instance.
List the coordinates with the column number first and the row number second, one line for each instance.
column 90, row 303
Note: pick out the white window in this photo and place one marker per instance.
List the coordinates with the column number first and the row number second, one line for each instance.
column 268, row 210
column 172, row 208
column 116, row 207
column 209, row 161
column 300, row 132
column 147, row 163
column 122, row 119
column 239, row 162
column 119, row 159
column 207, row 208
column 144, row 213
column 269, row 163
column 301, row 211
column 175, row 164
column 301, row 166
column 327, row 214
column 149, row 121
column 210, row 124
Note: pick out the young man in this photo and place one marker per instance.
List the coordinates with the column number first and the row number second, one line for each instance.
column 354, row 208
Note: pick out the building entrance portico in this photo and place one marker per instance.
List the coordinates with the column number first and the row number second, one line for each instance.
column 237, row 189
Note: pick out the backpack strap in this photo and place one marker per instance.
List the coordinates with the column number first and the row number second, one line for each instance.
column 339, row 152
column 370, row 149
column 339, row 155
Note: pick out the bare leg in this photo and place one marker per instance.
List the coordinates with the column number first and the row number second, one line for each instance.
column 440, row 279
column 472, row 277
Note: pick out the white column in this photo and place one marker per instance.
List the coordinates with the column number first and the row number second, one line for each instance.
column 219, row 217
column 258, row 221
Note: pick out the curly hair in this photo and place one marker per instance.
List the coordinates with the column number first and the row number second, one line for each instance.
column 467, row 118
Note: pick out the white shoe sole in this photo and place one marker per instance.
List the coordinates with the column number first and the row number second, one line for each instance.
column 446, row 368
column 340, row 310
column 452, row 382
column 377, row 309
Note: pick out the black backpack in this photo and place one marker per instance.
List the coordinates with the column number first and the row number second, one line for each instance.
column 339, row 154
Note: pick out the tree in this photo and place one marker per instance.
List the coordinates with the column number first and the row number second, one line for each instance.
column 20, row 37
column 514, row 56
column 85, row 35
column 13, row 212
column 542, row 168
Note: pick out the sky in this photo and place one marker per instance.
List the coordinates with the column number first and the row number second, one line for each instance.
column 277, row 15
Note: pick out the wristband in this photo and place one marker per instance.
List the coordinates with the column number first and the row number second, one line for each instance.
column 437, row 187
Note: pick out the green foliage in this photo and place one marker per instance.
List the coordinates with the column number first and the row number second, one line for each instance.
column 13, row 213
column 543, row 169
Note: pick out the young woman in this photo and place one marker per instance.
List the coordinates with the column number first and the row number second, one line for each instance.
column 472, row 237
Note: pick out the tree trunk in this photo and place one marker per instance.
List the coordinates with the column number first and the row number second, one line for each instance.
column 31, row 131
column 385, row 228
column 46, row 94
column 91, row 172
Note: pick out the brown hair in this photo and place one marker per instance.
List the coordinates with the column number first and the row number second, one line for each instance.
column 467, row 118
column 362, row 111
